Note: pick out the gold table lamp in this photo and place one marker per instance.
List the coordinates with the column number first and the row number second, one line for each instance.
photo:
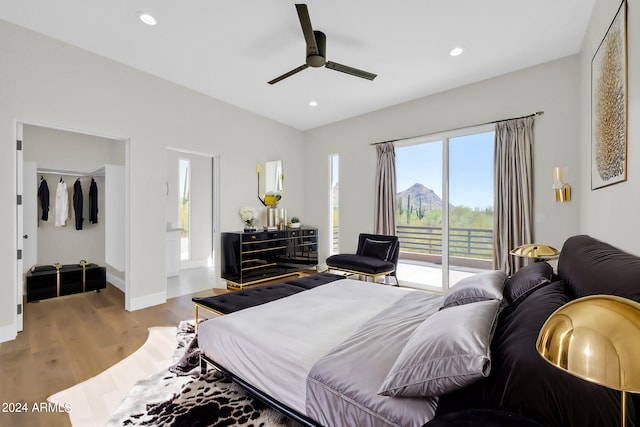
column 596, row 338
column 537, row 251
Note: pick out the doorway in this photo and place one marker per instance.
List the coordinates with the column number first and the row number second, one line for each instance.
column 444, row 206
column 191, row 216
column 54, row 154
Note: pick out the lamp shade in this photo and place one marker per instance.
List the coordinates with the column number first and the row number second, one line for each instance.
column 596, row 338
column 536, row 251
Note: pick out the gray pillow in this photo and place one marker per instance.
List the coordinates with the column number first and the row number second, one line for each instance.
column 483, row 286
column 448, row 351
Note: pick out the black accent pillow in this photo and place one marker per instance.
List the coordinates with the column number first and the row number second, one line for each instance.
column 377, row 249
column 527, row 280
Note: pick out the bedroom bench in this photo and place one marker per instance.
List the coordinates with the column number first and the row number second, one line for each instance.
column 245, row 298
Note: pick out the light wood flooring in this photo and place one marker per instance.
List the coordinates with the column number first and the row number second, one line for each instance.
column 71, row 339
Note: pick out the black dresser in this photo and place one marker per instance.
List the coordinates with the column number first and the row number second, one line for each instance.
column 253, row 257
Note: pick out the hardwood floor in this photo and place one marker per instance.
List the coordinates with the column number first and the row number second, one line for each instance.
column 69, row 340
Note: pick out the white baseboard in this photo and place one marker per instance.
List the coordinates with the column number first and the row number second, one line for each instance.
column 8, row 333
column 146, row 301
column 186, row 265
column 116, row 281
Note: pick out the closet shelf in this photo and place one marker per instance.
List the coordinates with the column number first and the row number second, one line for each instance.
column 97, row 172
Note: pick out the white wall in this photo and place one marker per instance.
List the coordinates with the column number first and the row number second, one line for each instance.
column 611, row 213
column 47, row 82
column 550, row 87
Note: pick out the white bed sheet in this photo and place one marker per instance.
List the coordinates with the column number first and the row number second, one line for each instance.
column 238, row 341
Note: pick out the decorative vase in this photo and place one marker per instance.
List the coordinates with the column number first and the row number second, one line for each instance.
column 249, row 227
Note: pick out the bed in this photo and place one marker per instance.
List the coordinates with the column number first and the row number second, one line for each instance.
column 326, row 353
column 354, row 353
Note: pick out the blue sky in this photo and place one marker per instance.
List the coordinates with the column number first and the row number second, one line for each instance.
column 470, row 170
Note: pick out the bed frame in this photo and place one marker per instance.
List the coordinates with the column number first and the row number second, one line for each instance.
column 258, row 394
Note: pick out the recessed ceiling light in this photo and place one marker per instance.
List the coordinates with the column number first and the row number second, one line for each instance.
column 456, row 51
column 313, row 104
column 146, row 18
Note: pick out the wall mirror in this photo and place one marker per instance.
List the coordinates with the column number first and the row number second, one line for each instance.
column 272, row 181
column 273, row 177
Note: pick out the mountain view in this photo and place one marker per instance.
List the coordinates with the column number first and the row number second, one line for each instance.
column 419, row 205
column 418, row 196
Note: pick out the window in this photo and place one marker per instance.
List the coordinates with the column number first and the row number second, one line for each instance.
column 334, row 206
column 444, row 206
column 184, row 211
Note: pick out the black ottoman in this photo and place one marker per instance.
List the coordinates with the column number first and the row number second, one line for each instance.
column 481, row 418
column 238, row 300
column 315, row 280
column 249, row 297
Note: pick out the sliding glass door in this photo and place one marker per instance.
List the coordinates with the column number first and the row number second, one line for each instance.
column 444, row 209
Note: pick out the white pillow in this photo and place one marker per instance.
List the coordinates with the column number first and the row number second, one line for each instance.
column 448, row 351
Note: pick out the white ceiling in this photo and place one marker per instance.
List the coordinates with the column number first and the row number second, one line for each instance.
column 230, row 49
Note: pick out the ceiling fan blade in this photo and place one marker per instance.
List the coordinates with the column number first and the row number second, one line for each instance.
column 350, row 70
column 288, row 74
column 307, row 30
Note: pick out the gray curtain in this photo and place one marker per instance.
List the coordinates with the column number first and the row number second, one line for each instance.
column 513, row 191
column 385, row 201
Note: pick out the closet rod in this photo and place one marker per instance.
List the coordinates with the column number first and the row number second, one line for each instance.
column 537, row 113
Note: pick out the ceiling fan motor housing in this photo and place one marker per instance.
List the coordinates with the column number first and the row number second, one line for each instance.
column 319, row 58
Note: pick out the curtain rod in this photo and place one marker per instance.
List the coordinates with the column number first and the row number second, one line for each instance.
column 537, row 113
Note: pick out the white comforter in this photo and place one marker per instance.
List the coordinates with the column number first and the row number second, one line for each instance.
column 274, row 346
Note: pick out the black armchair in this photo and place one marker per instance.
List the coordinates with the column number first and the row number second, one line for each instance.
column 377, row 255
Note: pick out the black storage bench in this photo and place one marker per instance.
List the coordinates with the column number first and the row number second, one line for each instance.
column 50, row 281
column 249, row 297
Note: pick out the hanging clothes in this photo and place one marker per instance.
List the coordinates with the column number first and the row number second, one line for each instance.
column 77, row 203
column 43, row 196
column 93, row 202
column 62, row 204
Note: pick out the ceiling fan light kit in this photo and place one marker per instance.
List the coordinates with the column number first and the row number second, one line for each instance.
column 317, row 51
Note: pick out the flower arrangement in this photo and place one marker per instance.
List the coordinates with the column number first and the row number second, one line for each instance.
column 248, row 215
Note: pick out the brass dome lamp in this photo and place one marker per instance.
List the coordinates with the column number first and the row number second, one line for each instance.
column 537, row 251
column 596, row 338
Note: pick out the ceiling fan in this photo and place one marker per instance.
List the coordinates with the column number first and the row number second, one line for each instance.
column 317, row 51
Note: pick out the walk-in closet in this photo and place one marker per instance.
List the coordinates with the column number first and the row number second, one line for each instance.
column 74, row 200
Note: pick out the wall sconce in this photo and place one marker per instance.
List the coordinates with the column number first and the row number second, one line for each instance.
column 562, row 189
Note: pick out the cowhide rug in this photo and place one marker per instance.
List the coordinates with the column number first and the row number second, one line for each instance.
column 179, row 396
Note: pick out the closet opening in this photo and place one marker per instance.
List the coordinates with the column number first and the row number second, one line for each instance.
column 82, row 217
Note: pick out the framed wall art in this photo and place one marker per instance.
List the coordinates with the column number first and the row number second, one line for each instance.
column 609, row 105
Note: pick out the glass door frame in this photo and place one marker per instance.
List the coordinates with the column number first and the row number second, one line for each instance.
column 444, row 138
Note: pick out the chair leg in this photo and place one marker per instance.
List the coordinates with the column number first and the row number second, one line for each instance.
column 395, row 277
